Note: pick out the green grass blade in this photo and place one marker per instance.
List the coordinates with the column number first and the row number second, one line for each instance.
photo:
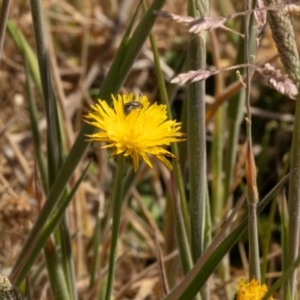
column 283, row 279
column 96, row 247
column 54, row 148
column 27, row 290
column 67, row 257
column 284, row 224
column 34, row 127
column 197, row 277
column 26, row 50
column 294, row 197
column 117, row 208
column 180, row 231
column 196, row 134
column 56, row 275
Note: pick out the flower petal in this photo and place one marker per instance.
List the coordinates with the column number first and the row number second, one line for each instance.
column 144, row 130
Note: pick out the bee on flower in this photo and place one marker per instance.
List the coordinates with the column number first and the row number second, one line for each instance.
column 134, row 128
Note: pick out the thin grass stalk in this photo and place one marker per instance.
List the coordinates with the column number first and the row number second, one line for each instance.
column 284, row 234
column 208, row 223
column 117, row 207
column 164, row 285
column 217, row 163
column 174, row 146
column 266, row 234
column 252, row 193
column 218, row 141
column 54, row 152
column 267, row 240
column 284, row 37
column 284, row 278
column 95, row 248
column 179, row 67
column 183, row 147
column 172, row 91
column 56, row 275
column 34, row 128
column 67, row 257
column 197, row 133
column 102, row 288
column 67, row 139
column 36, row 274
column 294, row 197
column 125, row 57
column 27, row 293
column 170, row 243
column 187, row 289
column 3, row 21
column 181, row 234
column 235, row 113
column 283, row 208
column 26, row 50
column 218, row 198
column 254, row 270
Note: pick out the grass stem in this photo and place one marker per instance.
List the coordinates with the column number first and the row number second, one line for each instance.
column 117, row 207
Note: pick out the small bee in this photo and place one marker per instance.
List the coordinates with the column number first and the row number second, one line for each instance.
column 130, row 106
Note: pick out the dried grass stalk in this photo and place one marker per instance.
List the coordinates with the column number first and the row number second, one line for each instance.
column 178, row 19
column 192, row 76
column 195, row 25
column 206, row 24
column 280, row 82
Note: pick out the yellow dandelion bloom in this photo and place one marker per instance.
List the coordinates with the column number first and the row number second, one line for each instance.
column 134, row 129
column 251, row 291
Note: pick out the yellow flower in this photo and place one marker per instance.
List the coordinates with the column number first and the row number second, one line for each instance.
column 251, row 291
column 134, row 130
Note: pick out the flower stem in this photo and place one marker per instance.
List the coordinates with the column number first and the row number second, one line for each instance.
column 294, row 195
column 117, row 206
column 252, row 193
